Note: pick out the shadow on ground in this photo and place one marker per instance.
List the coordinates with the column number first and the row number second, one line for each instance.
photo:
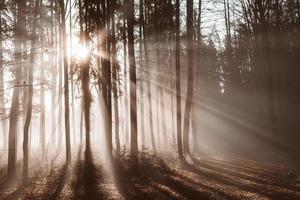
column 151, row 178
column 88, row 179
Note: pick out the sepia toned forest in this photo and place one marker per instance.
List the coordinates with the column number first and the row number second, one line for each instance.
column 149, row 99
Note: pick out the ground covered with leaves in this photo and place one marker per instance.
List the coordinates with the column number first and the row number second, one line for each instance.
column 155, row 177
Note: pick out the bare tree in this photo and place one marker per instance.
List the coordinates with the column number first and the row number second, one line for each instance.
column 132, row 66
column 189, row 96
column 2, row 95
column 66, row 82
column 15, row 104
column 178, row 90
column 30, row 95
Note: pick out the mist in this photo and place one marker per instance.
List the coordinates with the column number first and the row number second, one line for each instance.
column 146, row 99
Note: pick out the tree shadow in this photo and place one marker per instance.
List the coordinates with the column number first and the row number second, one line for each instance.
column 88, row 178
column 223, row 176
column 65, row 172
column 279, row 176
column 151, row 178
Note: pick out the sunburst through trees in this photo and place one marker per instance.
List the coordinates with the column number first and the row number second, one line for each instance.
column 149, row 99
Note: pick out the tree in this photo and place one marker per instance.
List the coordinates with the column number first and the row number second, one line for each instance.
column 195, row 109
column 131, row 54
column 85, row 79
column 115, row 77
column 178, row 89
column 66, row 83
column 141, row 18
column 189, row 96
column 42, row 100
column 30, row 95
column 2, row 104
column 53, row 75
column 15, row 104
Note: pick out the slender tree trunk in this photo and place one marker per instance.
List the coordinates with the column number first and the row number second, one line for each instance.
column 172, row 86
column 189, row 96
column 107, row 88
column 66, row 83
column 86, row 102
column 195, row 130
column 30, row 95
column 178, row 85
column 115, row 79
column 81, row 124
column 42, row 103
column 2, row 96
column 163, row 115
column 141, row 74
column 195, row 111
column 157, row 117
column 60, row 90
column 15, row 104
column 132, row 67
column 71, row 78
column 85, row 86
column 53, row 78
column 42, row 114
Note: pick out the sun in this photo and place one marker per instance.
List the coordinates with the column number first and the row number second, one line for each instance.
column 80, row 52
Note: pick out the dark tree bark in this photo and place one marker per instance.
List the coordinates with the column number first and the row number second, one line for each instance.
column 178, row 86
column 132, row 67
column 60, row 88
column 85, row 79
column 15, row 104
column 189, row 96
column 30, row 95
column 66, row 83
column 53, row 77
column 74, row 130
column 195, row 110
column 2, row 97
column 107, row 86
column 141, row 18
column 115, row 78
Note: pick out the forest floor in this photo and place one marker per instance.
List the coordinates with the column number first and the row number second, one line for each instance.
column 156, row 177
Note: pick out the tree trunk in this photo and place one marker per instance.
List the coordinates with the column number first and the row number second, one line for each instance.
column 53, row 79
column 195, row 110
column 66, row 83
column 178, row 85
column 85, row 80
column 132, row 67
column 60, row 90
column 189, row 96
column 30, row 95
column 163, row 115
column 15, row 104
column 195, row 129
column 141, row 74
column 157, row 117
column 115, row 79
column 107, row 87
column 2, row 104
column 71, row 79
column 42, row 109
